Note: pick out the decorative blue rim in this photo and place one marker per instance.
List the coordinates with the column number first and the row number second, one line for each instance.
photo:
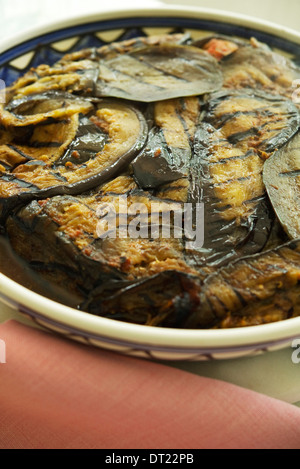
column 134, row 27
column 197, row 351
column 207, row 352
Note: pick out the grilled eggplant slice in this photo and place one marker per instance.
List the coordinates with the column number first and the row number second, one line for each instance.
column 79, row 72
column 64, row 237
column 93, row 191
column 241, row 130
column 114, row 49
column 169, row 151
column 257, row 66
column 77, row 77
column 157, row 73
column 165, row 300
column 36, row 145
column 255, row 290
column 149, row 69
column 77, row 221
column 118, row 129
column 46, row 107
column 282, row 180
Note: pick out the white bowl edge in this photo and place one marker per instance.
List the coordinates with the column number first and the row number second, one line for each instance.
column 109, row 328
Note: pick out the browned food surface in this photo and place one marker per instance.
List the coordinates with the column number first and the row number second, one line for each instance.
column 49, row 162
column 240, row 131
column 256, row 66
column 282, row 179
column 66, row 233
column 253, row 291
column 79, row 220
column 103, row 154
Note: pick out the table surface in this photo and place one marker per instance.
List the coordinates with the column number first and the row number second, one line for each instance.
column 272, row 374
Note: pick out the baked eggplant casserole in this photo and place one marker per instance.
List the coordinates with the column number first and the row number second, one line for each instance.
column 170, row 123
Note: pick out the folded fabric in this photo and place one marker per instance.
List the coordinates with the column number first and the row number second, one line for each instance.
column 56, row 394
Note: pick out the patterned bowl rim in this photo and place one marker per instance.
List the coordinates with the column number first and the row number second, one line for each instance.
column 124, row 333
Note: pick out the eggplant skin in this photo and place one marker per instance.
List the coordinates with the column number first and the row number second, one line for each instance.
column 168, row 153
column 239, row 132
column 143, row 70
column 72, row 78
column 78, row 73
column 256, row 66
column 116, row 275
column 123, row 47
column 71, row 225
column 42, row 108
column 282, row 180
column 162, row 121
column 60, row 160
column 254, row 290
column 158, row 73
column 164, row 300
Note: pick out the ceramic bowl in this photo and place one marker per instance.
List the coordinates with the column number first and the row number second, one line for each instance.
column 47, row 45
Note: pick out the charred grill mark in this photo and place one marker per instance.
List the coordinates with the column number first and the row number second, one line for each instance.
column 134, row 78
column 240, row 297
column 294, row 173
column 235, row 138
column 164, row 190
column 227, row 117
column 185, row 127
column 5, row 165
column 152, row 66
column 234, row 158
column 233, row 223
column 19, row 181
column 20, row 152
column 260, row 198
column 229, row 181
column 45, row 144
column 212, row 306
column 59, row 177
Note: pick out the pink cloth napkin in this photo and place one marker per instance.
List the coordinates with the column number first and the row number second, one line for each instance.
column 56, row 394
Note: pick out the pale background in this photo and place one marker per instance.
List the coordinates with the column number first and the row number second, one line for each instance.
column 272, row 374
column 16, row 15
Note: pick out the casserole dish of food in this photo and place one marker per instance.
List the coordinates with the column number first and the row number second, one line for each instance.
column 117, row 130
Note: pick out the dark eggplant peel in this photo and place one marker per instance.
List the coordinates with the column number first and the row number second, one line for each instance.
column 282, row 179
column 240, row 131
column 138, row 132
column 73, row 155
column 157, row 73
